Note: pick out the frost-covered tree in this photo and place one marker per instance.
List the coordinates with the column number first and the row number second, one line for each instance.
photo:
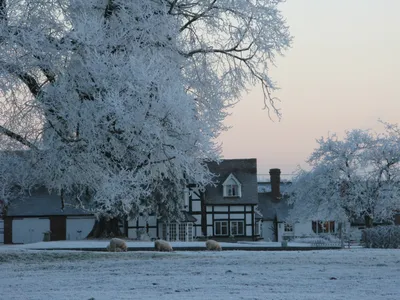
column 106, row 100
column 357, row 177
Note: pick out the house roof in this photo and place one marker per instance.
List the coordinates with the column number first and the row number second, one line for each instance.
column 271, row 207
column 41, row 203
column 244, row 170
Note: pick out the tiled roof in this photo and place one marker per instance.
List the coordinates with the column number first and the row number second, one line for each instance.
column 41, row 203
column 245, row 170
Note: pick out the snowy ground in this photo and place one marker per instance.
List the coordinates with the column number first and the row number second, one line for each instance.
column 325, row 274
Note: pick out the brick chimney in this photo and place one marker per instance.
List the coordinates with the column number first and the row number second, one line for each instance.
column 275, row 175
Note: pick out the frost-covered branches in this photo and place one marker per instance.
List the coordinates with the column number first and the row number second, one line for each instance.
column 357, row 177
column 112, row 99
column 231, row 43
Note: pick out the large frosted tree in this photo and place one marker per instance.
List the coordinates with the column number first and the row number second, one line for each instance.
column 351, row 178
column 107, row 100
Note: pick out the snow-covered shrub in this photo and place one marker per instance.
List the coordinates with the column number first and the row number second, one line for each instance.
column 213, row 245
column 381, row 237
column 117, row 245
column 163, row 246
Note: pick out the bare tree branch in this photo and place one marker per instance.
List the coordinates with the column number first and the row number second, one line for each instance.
column 16, row 137
column 198, row 16
column 26, row 78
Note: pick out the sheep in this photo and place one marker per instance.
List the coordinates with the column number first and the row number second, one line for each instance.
column 117, row 245
column 161, row 245
column 213, row 245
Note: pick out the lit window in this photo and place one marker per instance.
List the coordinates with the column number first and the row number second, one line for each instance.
column 323, row 226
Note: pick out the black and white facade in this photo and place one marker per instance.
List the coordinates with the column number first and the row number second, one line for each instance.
column 224, row 210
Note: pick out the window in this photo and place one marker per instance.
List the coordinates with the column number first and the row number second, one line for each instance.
column 323, row 226
column 221, row 227
column 237, row 228
column 182, row 231
column 232, row 187
column 258, row 228
column 288, row 227
column 172, row 232
column 232, row 190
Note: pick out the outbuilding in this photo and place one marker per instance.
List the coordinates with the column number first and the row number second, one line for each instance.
column 40, row 216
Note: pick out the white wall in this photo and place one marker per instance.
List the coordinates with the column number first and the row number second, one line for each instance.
column 210, row 231
column 29, row 230
column 78, row 228
column 209, row 219
column 301, row 229
column 218, row 217
column 132, row 233
column 221, row 208
column 152, row 221
column 196, row 206
column 237, row 208
column 267, row 231
column 152, row 233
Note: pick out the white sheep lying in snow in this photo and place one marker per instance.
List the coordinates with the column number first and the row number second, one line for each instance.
column 213, row 245
column 117, row 245
column 161, row 245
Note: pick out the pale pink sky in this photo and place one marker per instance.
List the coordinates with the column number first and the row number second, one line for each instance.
column 343, row 72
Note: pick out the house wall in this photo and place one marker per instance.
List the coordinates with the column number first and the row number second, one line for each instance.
column 229, row 213
column 195, row 209
column 305, row 229
column 268, row 231
column 141, row 224
column 301, row 229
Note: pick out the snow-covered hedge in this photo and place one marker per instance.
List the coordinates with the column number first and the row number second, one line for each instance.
column 381, row 237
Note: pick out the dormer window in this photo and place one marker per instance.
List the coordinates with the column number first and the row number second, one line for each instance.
column 232, row 187
column 232, row 190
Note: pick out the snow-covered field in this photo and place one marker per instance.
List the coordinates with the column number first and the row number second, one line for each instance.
column 93, row 244
column 325, row 274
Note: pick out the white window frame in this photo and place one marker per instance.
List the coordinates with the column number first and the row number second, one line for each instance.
column 288, row 227
column 237, row 227
column 221, row 225
column 229, row 184
column 182, row 232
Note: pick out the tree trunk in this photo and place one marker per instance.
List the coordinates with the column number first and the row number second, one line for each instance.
column 368, row 222
column 105, row 228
